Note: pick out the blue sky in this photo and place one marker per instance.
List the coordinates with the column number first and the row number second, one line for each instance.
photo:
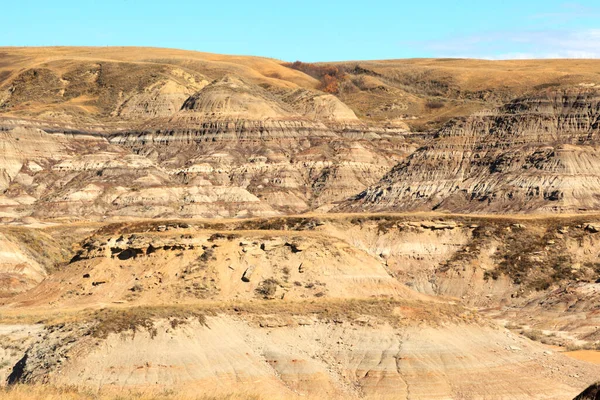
column 313, row 30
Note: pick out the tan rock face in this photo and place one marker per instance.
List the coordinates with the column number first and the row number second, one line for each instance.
column 159, row 100
column 319, row 106
column 233, row 98
column 19, row 146
column 532, row 155
column 186, row 265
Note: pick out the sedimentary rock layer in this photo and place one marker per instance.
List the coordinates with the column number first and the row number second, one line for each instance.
column 538, row 154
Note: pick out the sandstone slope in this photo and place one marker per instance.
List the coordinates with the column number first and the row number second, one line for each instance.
column 363, row 358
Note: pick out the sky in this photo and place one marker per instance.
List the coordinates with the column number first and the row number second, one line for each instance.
column 315, row 30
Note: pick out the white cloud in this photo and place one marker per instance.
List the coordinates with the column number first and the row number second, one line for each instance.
column 567, row 12
column 518, row 45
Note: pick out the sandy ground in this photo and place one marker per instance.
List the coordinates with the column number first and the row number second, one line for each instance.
column 591, row 356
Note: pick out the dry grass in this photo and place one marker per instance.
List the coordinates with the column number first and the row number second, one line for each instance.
column 466, row 86
column 595, row 346
column 533, row 334
column 306, row 222
column 46, row 392
column 119, row 319
column 134, row 319
column 43, row 65
column 403, row 87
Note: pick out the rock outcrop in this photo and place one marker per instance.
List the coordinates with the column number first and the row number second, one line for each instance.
column 84, row 176
column 538, row 154
column 235, row 133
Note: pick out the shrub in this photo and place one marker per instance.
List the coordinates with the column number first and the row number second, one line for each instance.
column 434, row 104
column 494, row 274
column 330, row 76
column 209, row 254
column 267, row 288
column 534, row 334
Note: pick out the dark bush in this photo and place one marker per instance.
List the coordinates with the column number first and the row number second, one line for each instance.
column 330, row 76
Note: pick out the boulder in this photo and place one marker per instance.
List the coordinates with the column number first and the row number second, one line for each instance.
column 248, row 273
column 592, row 227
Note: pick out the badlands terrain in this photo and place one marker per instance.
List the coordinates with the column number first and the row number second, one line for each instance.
column 176, row 224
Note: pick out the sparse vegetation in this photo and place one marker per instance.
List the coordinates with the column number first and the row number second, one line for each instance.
column 330, row 76
column 534, row 334
column 267, row 288
column 594, row 346
column 109, row 321
column 208, row 255
column 137, row 287
column 434, row 104
column 513, row 326
column 49, row 392
column 528, row 259
column 115, row 320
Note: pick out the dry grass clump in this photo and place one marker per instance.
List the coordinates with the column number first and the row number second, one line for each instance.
column 434, row 104
column 594, row 346
column 138, row 318
column 267, row 288
column 534, row 334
